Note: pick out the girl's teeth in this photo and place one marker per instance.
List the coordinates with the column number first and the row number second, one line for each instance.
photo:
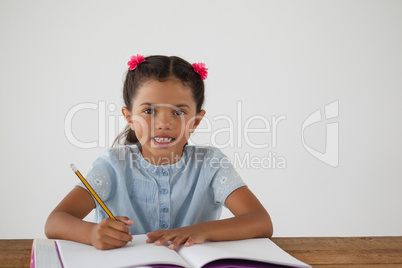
column 163, row 139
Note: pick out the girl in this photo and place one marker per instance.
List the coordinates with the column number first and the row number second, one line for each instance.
column 171, row 191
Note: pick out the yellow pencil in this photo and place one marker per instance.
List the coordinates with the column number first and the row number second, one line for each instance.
column 92, row 192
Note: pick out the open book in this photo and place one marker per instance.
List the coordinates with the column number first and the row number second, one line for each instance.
column 258, row 252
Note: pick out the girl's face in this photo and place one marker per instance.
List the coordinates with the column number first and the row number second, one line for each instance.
column 163, row 118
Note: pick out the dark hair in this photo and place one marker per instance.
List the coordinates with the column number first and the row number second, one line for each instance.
column 161, row 68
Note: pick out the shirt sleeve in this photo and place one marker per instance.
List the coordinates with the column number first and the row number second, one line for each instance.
column 225, row 178
column 102, row 178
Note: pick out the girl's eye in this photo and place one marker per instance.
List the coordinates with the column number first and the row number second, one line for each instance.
column 179, row 112
column 149, row 111
column 152, row 111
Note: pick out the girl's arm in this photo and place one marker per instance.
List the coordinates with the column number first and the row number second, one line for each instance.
column 250, row 220
column 65, row 222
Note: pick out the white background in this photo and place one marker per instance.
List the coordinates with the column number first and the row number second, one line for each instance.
column 276, row 58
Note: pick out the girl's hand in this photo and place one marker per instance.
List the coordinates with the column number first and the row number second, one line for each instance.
column 109, row 233
column 185, row 235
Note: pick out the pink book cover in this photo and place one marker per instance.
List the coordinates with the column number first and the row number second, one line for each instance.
column 32, row 264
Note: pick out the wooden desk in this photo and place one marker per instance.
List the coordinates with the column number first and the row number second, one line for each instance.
column 355, row 252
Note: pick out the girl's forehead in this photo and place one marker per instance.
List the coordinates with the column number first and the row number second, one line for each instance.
column 168, row 92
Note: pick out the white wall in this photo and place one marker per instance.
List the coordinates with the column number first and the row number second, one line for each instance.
column 277, row 58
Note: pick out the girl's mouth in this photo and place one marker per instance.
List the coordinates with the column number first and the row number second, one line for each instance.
column 163, row 142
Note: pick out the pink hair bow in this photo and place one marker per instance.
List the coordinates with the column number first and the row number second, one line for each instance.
column 134, row 61
column 200, row 69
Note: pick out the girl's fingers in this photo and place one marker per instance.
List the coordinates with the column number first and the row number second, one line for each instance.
column 111, row 233
column 113, row 243
column 189, row 242
column 125, row 220
column 153, row 236
column 107, row 240
column 164, row 239
column 118, row 226
column 118, row 235
column 176, row 236
column 177, row 241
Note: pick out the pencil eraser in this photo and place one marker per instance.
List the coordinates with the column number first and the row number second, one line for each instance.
column 73, row 168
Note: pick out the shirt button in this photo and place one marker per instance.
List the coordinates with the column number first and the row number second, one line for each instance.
column 164, row 225
column 165, row 209
column 165, row 173
column 164, row 191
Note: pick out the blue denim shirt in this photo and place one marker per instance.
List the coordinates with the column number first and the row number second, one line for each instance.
column 190, row 191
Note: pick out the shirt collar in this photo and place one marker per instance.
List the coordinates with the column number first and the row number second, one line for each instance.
column 171, row 168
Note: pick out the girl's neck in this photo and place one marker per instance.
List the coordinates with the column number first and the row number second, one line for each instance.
column 158, row 160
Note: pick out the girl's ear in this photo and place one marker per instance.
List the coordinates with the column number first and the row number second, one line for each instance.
column 127, row 115
column 198, row 119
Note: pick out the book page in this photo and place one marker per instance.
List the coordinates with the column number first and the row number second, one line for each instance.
column 258, row 249
column 136, row 253
column 45, row 254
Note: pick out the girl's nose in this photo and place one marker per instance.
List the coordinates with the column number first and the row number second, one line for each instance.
column 163, row 121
